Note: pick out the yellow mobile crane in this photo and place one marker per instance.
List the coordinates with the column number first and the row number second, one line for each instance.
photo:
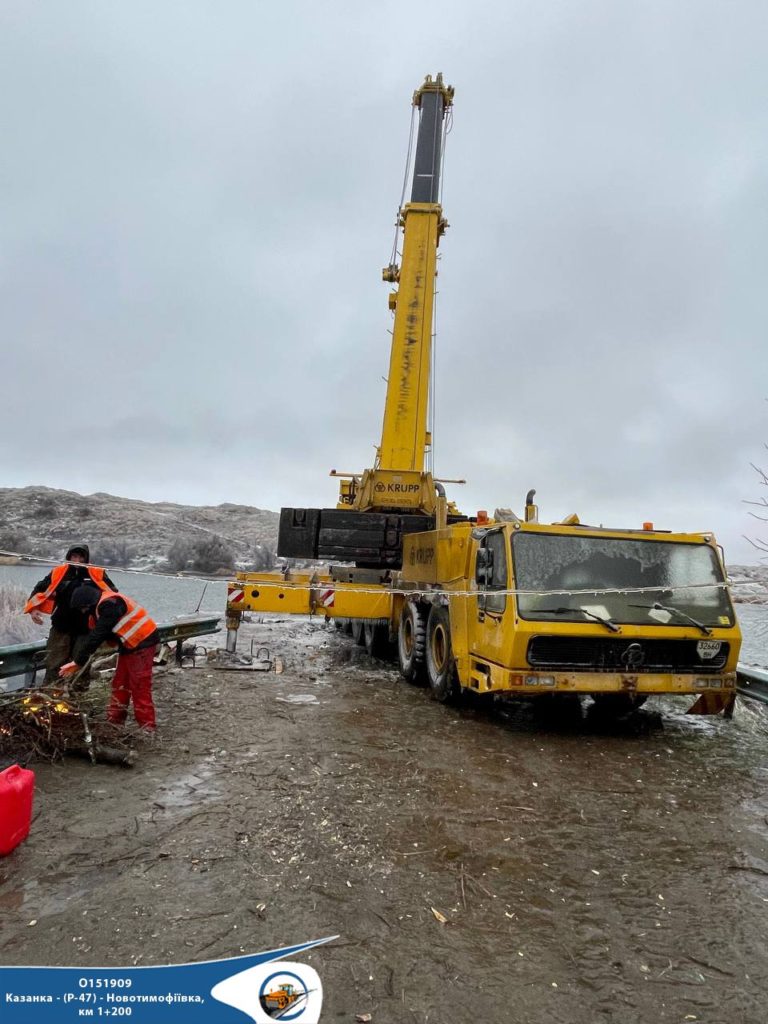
column 504, row 605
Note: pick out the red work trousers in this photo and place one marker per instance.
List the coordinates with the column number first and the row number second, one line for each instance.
column 133, row 681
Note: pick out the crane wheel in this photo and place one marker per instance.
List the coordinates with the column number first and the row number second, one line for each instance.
column 357, row 632
column 412, row 643
column 376, row 638
column 441, row 665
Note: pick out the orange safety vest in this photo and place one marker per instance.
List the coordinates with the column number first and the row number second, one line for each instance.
column 45, row 601
column 135, row 626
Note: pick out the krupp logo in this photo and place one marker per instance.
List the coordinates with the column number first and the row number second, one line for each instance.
column 274, row 991
column 633, row 656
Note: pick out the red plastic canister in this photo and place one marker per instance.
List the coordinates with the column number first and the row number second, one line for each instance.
column 17, row 787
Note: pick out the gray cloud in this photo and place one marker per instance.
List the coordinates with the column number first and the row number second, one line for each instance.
column 196, row 200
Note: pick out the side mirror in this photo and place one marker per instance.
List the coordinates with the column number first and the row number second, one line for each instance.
column 484, row 567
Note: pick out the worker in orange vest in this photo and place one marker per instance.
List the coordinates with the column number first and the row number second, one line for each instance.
column 116, row 618
column 53, row 596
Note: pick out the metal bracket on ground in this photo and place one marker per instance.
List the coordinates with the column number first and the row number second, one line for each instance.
column 262, row 661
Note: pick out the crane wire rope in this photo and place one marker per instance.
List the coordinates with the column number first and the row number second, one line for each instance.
column 393, row 258
column 437, row 131
column 447, row 123
column 406, row 174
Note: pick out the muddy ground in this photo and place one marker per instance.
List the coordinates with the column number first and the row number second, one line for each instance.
column 586, row 873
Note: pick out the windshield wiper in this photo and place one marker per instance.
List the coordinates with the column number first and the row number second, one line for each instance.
column 658, row 607
column 609, row 623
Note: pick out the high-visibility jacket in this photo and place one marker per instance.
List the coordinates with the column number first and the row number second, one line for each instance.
column 135, row 626
column 45, row 601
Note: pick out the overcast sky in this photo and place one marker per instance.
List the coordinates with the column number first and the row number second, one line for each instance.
column 197, row 198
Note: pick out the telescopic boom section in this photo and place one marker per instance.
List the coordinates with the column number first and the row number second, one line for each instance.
column 404, row 437
column 433, row 99
column 379, row 507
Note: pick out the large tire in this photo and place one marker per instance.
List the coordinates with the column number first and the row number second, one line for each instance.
column 357, row 632
column 376, row 638
column 441, row 665
column 412, row 643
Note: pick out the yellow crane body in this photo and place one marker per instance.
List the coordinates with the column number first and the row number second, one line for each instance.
column 307, row 593
column 481, row 629
column 493, row 636
column 503, row 639
column 504, row 606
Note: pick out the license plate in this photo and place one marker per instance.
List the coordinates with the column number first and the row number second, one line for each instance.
column 708, row 649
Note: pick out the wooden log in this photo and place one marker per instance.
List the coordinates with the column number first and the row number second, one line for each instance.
column 125, row 758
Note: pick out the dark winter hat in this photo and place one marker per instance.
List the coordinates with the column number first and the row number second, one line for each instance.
column 85, row 597
column 79, row 549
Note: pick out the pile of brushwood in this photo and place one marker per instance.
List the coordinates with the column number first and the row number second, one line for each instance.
column 46, row 724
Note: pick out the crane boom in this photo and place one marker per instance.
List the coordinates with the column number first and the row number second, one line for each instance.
column 397, row 496
column 404, row 437
column 433, row 99
column 398, row 481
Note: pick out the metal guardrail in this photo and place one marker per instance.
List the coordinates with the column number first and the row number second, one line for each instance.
column 752, row 681
column 20, row 659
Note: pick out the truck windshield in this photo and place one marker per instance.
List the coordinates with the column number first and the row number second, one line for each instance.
column 678, row 575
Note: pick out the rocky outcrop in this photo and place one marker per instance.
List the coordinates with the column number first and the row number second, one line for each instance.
column 43, row 521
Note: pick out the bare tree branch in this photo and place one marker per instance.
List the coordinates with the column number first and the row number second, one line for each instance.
column 761, row 545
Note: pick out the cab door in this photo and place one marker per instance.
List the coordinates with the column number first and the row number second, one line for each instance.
column 492, row 580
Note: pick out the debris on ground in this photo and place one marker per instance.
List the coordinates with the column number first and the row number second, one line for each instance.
column 46, row 724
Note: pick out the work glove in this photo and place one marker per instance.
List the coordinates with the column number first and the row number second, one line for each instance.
column 37, row 617
column 68, row 670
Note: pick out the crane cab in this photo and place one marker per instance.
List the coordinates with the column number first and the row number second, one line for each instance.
column 528, row 608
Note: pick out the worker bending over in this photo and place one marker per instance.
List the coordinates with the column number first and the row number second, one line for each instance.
column 115, row 618
column 53, row 596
